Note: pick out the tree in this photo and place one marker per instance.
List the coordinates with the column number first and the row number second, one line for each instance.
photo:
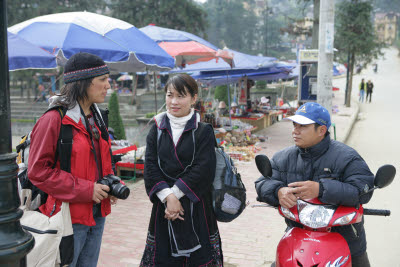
column 21, row 10
column 114, row 118
column 315, row 29
column 182, row 15
column 315, row 33
column 270, row 32
column 221, row 93
column 231, row 24
column 249, row 26
column 387, row 5
column 390, row 6
column 355, row 36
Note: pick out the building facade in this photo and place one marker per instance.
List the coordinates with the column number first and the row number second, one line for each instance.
column 386, row 26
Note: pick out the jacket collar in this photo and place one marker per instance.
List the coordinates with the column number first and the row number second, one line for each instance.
column 317, row 149
column 162, row 121
column 74, row 113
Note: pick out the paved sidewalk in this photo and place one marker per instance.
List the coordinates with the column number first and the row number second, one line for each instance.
column 250, row 240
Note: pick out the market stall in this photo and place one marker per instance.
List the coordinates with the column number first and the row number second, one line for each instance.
column 261, row 120
column 129, row 160
column 239, row 144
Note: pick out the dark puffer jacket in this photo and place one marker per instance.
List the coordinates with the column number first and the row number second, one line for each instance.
column 340, row 170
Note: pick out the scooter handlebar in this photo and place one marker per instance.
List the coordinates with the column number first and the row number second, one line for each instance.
column 376, row 212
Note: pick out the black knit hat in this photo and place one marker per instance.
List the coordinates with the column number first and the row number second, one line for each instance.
column 83, row 66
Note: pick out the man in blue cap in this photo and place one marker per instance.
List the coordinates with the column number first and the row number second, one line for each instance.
column 318, row 167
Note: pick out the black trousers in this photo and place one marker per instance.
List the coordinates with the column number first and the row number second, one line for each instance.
column 369, row 93
column 360, row 261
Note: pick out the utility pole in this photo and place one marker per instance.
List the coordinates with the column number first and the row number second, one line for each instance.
column 15, row 243
column 325, row 55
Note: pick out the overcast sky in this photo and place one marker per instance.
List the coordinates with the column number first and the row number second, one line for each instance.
column 200, row 1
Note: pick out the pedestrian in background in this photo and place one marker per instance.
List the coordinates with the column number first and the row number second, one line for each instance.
column 86, row 83
column 42, row 92
column 375, row 67
column 370, row 87
column 178, row 175
column 363, row 86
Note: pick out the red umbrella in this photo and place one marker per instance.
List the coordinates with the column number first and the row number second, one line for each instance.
column 185, row 47
column 193, row 52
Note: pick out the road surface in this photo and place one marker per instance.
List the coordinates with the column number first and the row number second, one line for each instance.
column 376, row 137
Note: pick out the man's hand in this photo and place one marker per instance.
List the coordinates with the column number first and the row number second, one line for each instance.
column 286, row 197
column 305, row 190
column 100, row 192
column 174, row 208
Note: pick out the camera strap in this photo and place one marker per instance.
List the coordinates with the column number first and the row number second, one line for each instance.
column 100, row 121
column 91, row 139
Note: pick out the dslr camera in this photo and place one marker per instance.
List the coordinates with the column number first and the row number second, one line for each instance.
column 117, row 189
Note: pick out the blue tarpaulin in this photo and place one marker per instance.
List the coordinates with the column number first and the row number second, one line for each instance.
column 217, row 72
column 278, row 70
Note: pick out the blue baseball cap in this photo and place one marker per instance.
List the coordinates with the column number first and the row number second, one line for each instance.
column 310, row 113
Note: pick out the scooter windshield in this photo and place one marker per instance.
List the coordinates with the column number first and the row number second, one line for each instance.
column 313, row 215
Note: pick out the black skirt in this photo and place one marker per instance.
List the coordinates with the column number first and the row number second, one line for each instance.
column 159, row 252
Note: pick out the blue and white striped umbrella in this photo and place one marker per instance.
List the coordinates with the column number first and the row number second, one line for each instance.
column 24, row 55
column 122, row 46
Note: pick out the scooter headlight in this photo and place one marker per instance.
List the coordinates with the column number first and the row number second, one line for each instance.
column 288, row 214
column 345, row 219
column 314, row 216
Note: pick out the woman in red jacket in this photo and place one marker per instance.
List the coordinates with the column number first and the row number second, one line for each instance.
column 86, row 83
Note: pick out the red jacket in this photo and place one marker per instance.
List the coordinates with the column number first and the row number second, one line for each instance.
column 75, row 187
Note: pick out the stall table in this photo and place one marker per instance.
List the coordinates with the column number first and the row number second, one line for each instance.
column 262, row 122
column 258, row 122
column 274, row 116
column 137, row 168
column 127, row 166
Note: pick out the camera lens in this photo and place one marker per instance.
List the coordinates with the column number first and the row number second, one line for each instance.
column 120, row 191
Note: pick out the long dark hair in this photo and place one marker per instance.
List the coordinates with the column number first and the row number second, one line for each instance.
column 73, row 92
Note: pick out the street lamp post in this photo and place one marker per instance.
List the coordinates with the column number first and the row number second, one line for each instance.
column 15, row 243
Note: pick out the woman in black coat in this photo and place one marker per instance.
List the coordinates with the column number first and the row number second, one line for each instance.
column 370, row 86
column 179, row 171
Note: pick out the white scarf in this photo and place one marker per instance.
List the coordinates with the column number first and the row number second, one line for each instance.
column 178, row 124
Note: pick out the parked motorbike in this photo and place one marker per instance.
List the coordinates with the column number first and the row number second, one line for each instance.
column 314, row 244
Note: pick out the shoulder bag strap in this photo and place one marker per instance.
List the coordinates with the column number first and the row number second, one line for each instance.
column 64, row 142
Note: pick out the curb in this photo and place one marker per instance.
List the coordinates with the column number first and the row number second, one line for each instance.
column 353, row 120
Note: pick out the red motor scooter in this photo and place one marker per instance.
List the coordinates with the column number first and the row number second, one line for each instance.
column 314, row 245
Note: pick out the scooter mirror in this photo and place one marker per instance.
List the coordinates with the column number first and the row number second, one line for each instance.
column 384, row 176
column 264, row 165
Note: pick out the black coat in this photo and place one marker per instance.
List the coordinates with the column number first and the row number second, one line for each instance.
column 344, row 175
column 190, row 165
column 370, row 87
